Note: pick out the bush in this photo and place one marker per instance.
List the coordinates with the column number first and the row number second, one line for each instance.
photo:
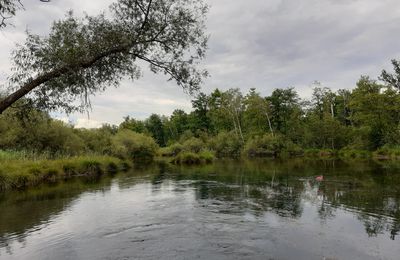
column 193, row 158
column 354, row 154
column 320, row 153
column 130, row 145
column 226, row 144
column 17, row 174
column 386, row 152
column 171, row 150
column 293, row 149
column 97, row 141
column 311, row 152
column 207, row 156
column 185, row 136
column 91, row 167
column 194, row 145
column 267, row 145
column 187, row 158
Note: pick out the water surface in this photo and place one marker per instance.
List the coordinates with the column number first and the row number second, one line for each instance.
column 229, row 210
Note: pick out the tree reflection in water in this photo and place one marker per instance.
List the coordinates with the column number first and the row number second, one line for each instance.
column 368, row 190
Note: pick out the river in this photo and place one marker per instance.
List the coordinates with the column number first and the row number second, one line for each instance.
column 261, row 209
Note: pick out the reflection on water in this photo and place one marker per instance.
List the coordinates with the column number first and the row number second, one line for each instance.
column 246, row 210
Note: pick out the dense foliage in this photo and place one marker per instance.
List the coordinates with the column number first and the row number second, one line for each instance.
column 129, row 144
column 230, row 124
column 38, row 135
column 83, row 56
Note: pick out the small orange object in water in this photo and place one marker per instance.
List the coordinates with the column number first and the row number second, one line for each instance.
column 319, row 178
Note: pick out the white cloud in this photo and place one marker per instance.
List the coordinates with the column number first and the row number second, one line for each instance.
column 87, row 123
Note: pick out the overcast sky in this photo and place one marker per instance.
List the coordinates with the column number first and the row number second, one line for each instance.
column 265, row 44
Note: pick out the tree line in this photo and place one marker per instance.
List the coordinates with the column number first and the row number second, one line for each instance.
column 231, row 122
column 364, row 118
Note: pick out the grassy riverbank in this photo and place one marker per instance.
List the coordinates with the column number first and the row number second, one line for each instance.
column 380, row 154
column 21, row 169
column 18, row 172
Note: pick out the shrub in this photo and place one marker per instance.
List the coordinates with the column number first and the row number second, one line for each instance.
column 112, row 167
column 187, row 158
column 354, row 154
column 226, row 144
column 293, row 149
column 97, row 141
column 386, row 152
column 267, row 145
column 320, row 153
column 206, row 156
column 193, row 158
column 194, row 145
column 171, row 150
column 185, row 136
column 128, row 144
column 16, row 174
column 311, row 152
column 91, row 167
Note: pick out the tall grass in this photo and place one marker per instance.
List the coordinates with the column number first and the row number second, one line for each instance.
column 194, row 158
column 17, row 171
column 386, row 153
column 354, row 154
column 7, row 155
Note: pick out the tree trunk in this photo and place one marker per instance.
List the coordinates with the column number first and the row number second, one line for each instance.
column 269, row 124
column 239, row 126
column 234, row 123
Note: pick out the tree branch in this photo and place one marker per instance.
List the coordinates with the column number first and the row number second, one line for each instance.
column 43, row 78
column 158, row 65
column 146, row 15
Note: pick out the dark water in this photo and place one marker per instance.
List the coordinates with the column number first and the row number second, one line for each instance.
column 229, row 210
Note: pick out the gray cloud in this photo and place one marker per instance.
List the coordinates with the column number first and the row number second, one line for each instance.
column 262, row 44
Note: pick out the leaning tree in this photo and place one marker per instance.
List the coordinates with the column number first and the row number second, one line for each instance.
column 83, row 56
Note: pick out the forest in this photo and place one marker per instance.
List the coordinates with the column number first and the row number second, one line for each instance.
column 347, row 122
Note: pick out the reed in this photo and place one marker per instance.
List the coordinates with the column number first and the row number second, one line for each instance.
column 18, row 172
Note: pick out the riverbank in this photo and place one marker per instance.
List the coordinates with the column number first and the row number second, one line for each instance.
column 208, row 156
column 19, row 173
column 380, row 154
column 20, row 170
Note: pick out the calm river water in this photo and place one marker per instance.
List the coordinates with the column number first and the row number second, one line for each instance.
column 229, row 210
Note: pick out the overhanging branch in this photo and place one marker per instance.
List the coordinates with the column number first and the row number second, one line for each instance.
column 56, row 73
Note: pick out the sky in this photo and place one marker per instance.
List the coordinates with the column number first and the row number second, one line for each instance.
column 262, row 44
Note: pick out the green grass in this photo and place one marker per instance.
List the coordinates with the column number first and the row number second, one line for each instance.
column 17, row 172
column 8, row 155
column 206, row 156
column 321, row 153
column 194, row 158
column 19, row 155
column 354, row 154
column 387, row 153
